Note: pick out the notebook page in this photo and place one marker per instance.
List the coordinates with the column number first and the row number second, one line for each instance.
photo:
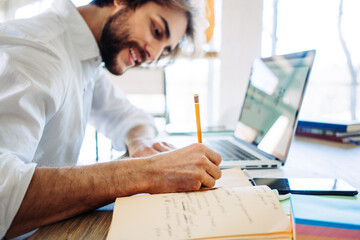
column 212, row 213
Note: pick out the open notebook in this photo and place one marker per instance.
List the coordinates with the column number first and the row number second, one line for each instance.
column 233, row 210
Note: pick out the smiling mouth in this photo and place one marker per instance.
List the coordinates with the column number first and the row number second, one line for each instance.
column 136, row 60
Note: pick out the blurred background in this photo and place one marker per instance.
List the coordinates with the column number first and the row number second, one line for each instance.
column 238, row 31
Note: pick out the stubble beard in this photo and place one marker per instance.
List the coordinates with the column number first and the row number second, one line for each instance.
column 116, row 37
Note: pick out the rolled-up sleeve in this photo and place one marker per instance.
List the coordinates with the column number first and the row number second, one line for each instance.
column 22, row 118
column 15, row 177
column 113, row 114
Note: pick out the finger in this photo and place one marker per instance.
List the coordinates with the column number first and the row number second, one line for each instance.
column 213, row 156
column 214, row 171
column 169, row 145
column 161, row 147
column 207, row 180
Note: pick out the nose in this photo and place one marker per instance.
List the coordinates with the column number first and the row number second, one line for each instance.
column 154, row 50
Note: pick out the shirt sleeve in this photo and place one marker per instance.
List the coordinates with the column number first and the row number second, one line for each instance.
column 17, row 145
column 112, row 113
column 15, row 177
column 23, row 104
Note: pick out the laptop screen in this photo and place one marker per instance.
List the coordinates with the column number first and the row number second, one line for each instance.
column 272, row 102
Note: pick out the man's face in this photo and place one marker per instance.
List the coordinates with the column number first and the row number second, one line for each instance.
column 130, row 38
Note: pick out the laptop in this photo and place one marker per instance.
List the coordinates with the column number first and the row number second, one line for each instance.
column 268, row 116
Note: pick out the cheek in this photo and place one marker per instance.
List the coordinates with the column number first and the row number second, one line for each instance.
column 123, row 56
column 141, row 33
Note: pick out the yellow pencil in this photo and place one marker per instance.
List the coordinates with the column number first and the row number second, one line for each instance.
column 197, row 114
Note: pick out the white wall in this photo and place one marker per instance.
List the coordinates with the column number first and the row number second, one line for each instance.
column 241, row 43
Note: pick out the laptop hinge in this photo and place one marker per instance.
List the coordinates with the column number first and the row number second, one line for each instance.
column 253, row 147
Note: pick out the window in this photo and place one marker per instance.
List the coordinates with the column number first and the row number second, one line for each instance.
column 187, row 77
column 330, row 27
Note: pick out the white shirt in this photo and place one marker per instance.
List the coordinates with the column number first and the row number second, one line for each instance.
column 51, row 84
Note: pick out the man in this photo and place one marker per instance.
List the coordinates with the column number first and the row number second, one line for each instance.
column 51, row 84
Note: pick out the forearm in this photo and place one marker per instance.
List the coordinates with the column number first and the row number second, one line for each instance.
column 55, row 194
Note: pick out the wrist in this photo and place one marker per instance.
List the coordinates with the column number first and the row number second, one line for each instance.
column 139, row 134
column 138, row 141
column 133, row 176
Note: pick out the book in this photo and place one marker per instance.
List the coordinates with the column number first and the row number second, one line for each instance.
column 233, row 210
column 325, row 218
column 344, row 126
column 326, row 132
column 314, row 133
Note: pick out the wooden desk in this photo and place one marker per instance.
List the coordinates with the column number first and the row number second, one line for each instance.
column 92, row 225
column 307, row 158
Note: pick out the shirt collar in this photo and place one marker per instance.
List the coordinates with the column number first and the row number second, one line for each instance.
column 86, row 45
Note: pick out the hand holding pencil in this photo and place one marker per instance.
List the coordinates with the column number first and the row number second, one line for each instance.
column 185, row 169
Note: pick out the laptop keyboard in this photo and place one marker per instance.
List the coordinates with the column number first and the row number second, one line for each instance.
column 230, row 151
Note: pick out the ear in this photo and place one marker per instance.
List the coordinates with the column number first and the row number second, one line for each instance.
column 118, row 3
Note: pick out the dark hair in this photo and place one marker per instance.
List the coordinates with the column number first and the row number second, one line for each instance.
column 101, row 3
column 183, row 5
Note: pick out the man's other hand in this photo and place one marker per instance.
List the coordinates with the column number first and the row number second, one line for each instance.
column 146, row 147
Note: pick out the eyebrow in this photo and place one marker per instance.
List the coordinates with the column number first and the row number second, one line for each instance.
column 167, row 31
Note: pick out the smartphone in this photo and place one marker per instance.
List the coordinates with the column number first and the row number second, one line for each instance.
column 313, row 186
